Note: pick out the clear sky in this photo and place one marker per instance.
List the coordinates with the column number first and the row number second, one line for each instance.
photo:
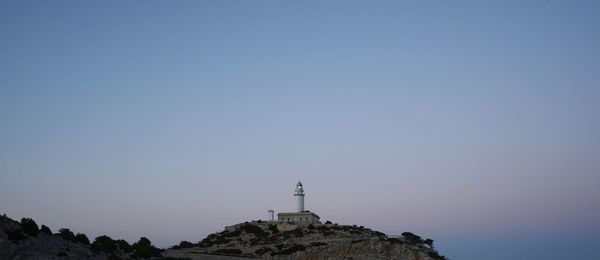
column 474, row 123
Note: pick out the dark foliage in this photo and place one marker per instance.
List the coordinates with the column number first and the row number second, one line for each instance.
column 273, row 229
column 184, row 244
column 379, row 234
column 46, row 229
column 230, row 251
column 143, row 248
column 264, row 250
column 61, row 253
column 66, row 234
column 104, row 244
column 412, row 238
column 232, row 233
column 82, row 238
column 327, row 222
column 253, row 229
column 290, row 250
column 318, row 244
column 394, row 241
column 328, row 233
column 437, row 256
column 323, row 228
column 123, row 245
column 15, row 235
column 29, row 227
column 428, row 242
column 279, row 246
column 114, row 257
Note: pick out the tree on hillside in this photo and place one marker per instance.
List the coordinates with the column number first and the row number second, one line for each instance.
column 82, row 238
column 124, row 246
column 66, row 234
column 144, row 248
column 184, row 244
column 104, row 244
column 46, row 230
column 29, row 227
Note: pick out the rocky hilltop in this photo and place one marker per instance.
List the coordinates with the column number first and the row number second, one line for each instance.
column 270, row 240
column 248, row 240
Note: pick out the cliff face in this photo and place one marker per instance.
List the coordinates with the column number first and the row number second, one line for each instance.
column 318, row 241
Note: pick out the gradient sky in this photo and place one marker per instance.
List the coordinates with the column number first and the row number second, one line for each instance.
column 473, row 123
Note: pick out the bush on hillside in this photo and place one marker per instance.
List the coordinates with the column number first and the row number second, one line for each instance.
column 15, row 235
column 183, row 244
column 82, row 238
column 290, row 250
column 144, row 249
column 273, row 229
column 104, row 244
column 412, row 238
column 124, row 246
column 66, row 234
column 29, row 227
column 46, row 229
column 428, row 242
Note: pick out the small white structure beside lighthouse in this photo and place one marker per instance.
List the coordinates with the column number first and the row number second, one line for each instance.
column 301, row 217
column 299, row 196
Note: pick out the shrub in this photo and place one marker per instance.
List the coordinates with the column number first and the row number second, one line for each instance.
column 412, row 238
column 394, row 241
column 327, row 222
column 428, row 242
column 66, row 234
column 104, row 244
column 114, row 257
column 82, row 238
column 263, row 251
column 232, row 234
column 320, row 243
column 29, row 227
column 143, row 248
column 273, row 229
column 184, row 244
column 253, row 229
column 46, row 229
column 15, row 235
column 123, row 245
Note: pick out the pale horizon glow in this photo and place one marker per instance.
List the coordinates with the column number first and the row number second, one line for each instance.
column 472, row 123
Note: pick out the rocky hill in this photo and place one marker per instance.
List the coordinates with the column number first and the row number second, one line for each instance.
column 260, row 239
column 256, row 239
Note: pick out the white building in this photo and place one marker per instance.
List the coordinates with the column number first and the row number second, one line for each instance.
column 301, row 216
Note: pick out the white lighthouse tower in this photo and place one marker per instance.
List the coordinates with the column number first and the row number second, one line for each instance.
column 301, row 218
column 299, row 196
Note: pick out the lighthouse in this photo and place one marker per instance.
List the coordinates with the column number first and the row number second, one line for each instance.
column 299, row 196
column 300, row 218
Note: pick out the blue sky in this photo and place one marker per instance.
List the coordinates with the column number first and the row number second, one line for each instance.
column 474, row 123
